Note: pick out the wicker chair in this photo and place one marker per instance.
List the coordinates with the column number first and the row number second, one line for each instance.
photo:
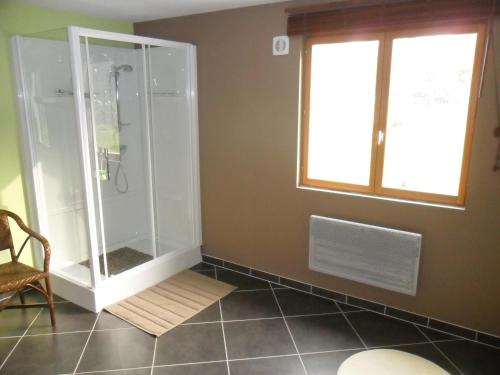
column 16, row 276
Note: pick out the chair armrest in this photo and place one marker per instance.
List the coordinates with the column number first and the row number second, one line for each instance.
column 32, row 233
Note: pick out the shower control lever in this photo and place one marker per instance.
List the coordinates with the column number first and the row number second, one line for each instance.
column 103, row 162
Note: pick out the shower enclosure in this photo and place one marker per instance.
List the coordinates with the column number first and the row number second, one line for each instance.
column 109, row 129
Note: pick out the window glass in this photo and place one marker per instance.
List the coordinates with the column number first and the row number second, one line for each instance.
column 392, row 114
column 430, row 84
column 341, row 112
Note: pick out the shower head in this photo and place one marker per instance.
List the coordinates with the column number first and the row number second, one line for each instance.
column 125, row 68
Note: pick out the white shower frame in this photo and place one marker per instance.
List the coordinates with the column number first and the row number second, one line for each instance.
column 104, row 292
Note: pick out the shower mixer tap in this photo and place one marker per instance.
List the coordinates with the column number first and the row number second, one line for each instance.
column 103, row 162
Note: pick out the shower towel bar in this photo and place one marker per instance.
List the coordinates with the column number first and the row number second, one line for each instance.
column 61, row 92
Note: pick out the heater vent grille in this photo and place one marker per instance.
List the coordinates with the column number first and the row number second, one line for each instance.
column 382, row 257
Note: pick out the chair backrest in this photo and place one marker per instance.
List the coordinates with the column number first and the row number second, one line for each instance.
column 5, row 235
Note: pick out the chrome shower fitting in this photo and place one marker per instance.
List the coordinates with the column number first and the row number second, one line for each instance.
column 116, row 75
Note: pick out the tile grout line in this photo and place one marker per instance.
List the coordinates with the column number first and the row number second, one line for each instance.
column 455, row 338
column 470, row 340
column 413, row 343
column 227, row 321
column 417, row 325
column 70, row 332
column 289, row 331
column 331, row 351
column 314, row 314
column 10, row 337
column 278, row 282
column 350, row 324
column 264, row 318
column 42, row 303
column 107, row 371
column 20, row 338
column 421, row 326
column 257, row 290
column 188, row 364
column 277, row 285
column 261, row 357
column 224, row 339
column 154, row 355
column 439, row 350
column 84, row 331
column 87, row 342
column 283, row 286
column 362, row 309
column 232, row 321
column 427, row 323
column 223, row 331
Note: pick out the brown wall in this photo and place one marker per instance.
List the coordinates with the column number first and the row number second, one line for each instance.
column 254, row 215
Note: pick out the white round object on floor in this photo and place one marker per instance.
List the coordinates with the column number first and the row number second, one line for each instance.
column 388, row 362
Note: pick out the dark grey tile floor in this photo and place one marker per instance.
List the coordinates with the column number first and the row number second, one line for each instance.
column 258, row 329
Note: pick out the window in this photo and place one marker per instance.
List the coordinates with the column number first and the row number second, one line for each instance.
column 391, row 113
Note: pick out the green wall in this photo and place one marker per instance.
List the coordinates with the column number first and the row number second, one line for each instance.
column 25, row 19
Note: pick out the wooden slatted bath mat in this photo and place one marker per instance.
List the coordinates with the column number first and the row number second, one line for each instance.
column 164, row 306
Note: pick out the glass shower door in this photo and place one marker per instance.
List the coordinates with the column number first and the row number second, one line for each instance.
column 120, row 150
column 52, row 143
column 173, row 142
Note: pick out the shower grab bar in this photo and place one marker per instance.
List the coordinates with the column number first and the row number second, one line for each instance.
column 61, row 92
column 168, row 93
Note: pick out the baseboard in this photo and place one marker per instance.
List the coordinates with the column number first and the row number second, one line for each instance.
column 420, row 320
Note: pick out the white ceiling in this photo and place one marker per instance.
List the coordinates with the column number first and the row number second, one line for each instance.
column 142, row 10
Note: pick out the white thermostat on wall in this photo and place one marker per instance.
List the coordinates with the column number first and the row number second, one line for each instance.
column 281, row 45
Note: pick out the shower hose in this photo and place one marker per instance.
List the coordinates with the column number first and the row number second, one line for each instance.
column 124, row 176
